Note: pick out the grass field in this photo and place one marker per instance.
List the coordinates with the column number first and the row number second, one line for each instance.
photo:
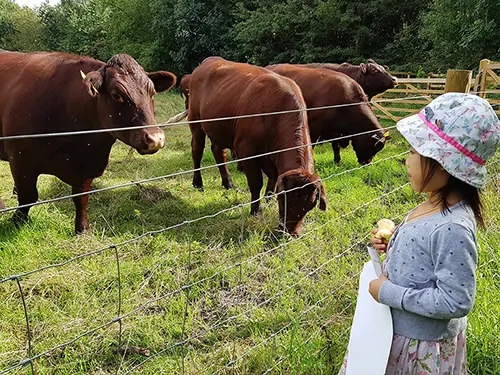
column 257, row 301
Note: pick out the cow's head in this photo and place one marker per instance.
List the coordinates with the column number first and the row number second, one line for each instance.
column 367, row 145
column 376, row 79
column 307, row 192
column 185, row 88
column 124, row 94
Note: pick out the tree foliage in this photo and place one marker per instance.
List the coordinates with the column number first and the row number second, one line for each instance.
column 178, row 34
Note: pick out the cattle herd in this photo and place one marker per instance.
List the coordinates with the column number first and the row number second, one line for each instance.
column 57, row 93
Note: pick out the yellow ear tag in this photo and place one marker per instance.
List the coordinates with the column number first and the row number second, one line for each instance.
column 84, row 76
column 386, row 134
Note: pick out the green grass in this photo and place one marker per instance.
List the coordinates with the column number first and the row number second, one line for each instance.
column 269, row 294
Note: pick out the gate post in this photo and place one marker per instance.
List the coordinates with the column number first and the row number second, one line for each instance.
column 483, row 74
column 458, row 81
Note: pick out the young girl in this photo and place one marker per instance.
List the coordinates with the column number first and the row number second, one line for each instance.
column 429, row 274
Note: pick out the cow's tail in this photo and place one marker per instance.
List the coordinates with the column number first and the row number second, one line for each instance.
column 3, row 154
column 177, row 118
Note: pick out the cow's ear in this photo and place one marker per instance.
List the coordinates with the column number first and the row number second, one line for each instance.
column 93, row 81
column 162, row 80
column 363, row 68
column 280, row 186
column 320, row 195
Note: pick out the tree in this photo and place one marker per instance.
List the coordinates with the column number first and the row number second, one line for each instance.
column 188, row 31
column 20, row 28
column 462, row 32
column 275, row 32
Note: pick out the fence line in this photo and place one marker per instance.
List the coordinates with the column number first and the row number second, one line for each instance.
column 167, row 124
column 302, row 313
column 153, row 179
column 186, row 222
column 308, row 275
column 30, row 360
column 185, row 287
column 178, row 123
column 398, row 113
column 233, row 317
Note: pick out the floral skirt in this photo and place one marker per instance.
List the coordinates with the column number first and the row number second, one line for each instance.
column 414, row 357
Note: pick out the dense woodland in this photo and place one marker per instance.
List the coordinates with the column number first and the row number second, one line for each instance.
column 415, row 35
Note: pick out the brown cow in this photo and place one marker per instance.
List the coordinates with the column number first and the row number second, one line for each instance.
column 221, row 88
column 322, row 88
column 58, row 92
column 372, row 77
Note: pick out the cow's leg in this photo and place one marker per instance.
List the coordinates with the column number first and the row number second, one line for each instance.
column 254, row 177
column 220, row 158
column 197, row 147
column 272, row 177
column 336, row 152
column 234, row 156
column 81, row 221
column 27, row 193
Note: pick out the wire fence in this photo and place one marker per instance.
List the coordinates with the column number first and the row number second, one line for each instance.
column 319, row 262
column 178, row 123
column 119, row 318
column 190, row 171
column 30, row 359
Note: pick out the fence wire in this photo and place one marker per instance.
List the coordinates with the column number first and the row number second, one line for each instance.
column 178, row 123
column 189, row 222
column 163, row 125
column 119, row 318
column 185, row 288
column 181, row 173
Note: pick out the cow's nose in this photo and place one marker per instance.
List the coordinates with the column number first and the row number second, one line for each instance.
column 395, row 81
column 155, row 141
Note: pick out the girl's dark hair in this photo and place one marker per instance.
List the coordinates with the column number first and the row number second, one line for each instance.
column 468, row 193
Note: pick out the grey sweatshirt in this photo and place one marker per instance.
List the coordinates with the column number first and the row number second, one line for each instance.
column 431, row 264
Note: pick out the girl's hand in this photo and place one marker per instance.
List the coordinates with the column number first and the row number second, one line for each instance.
column 377, row 243
column 375, row 285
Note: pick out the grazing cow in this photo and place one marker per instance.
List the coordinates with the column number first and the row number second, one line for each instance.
column 58, row 92
column 322, row 88
column 372, row 77
column 220, row 88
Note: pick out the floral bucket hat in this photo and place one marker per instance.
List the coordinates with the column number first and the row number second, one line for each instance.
column 459, row 131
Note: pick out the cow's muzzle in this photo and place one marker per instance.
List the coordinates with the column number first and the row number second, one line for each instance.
column 153, row 142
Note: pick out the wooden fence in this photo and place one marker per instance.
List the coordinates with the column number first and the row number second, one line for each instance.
column 400, row 106
column 487, row 82
column 423, row 90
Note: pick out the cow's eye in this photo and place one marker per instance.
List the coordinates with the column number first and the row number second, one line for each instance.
column 117, row 97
